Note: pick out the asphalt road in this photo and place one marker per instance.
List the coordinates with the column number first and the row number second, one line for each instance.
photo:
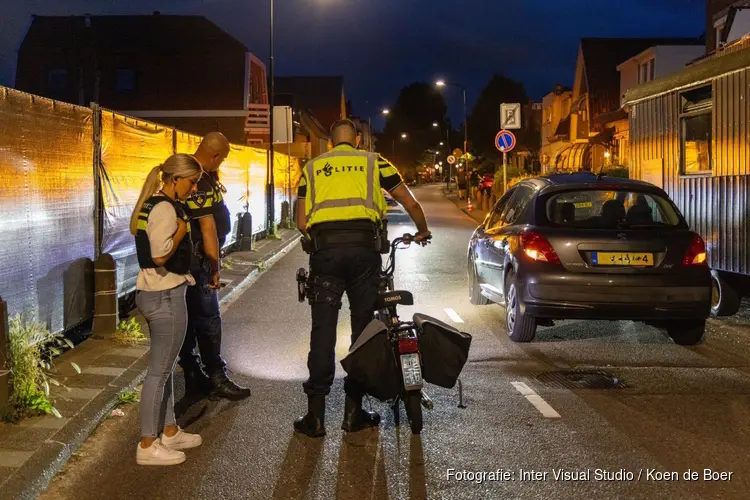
column 683, row 410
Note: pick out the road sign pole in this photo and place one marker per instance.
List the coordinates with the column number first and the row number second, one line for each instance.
column 505, row 172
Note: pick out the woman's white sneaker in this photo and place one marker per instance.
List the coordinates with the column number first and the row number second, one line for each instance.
column 158, row 454
column 182, row 440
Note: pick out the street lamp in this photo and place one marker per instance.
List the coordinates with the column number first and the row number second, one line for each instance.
column 386, row 111
column 435, row 124
column 442, row 144
column 393, row 147
column 443, row 83
column 271, row 185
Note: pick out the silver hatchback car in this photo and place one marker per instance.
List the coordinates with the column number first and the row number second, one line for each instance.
column 581, row 246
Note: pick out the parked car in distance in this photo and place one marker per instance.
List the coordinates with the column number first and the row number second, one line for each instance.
column 581, row 246
column 485, row 185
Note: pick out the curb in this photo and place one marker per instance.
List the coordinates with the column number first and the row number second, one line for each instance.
column 33, row 478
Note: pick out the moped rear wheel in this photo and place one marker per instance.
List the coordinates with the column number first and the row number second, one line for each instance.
column 413, row 404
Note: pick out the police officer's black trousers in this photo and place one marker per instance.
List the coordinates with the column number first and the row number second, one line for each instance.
column 355, row 270
column 204, row 327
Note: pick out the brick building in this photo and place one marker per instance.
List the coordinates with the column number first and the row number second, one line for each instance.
column 182, row 71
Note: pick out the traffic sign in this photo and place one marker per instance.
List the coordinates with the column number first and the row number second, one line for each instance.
column 510, row 116
column 505, row 141
column 451, row 159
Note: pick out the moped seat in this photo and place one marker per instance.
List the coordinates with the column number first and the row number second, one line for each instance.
column 401, row 297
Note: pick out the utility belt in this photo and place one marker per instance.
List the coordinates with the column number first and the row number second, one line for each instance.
column 375, row 238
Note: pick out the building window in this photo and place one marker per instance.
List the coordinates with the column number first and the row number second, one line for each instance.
column 646, row 71
column 57, row 80
column 125, row 80
column 695, row 130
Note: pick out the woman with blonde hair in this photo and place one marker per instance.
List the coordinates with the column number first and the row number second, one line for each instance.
column 162, row 239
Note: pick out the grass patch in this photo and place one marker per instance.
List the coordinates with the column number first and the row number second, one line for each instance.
column 32, row 350
column 129, row 332
column 128, row 397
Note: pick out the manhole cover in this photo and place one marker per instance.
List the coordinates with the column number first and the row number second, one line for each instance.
column 580, row 380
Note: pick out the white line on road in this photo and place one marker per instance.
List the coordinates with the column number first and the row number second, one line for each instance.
column 453, row 316
column 544, row 408
column 422, row 277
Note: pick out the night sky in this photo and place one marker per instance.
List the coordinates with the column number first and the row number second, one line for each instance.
column 380, row 46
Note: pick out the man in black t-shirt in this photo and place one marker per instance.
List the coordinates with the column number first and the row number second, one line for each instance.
column 211, row 224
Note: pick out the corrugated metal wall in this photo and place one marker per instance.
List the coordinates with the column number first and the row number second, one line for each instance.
column 730, row 124
column 715, row 206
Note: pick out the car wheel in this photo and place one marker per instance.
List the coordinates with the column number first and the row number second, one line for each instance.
column 724, row 300
column 521, row 327
column 475, row 292
column 687, row 332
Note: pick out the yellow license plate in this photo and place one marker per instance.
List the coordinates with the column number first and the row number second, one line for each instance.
column 622, row 259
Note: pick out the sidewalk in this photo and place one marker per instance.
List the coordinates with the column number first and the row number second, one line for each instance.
column 477, row 214
column 35, row 449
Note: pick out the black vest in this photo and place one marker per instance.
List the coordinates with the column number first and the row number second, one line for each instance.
column 220, row 212
column 179, row 263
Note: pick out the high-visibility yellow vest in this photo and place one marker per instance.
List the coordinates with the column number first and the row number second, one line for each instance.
column 343, row 184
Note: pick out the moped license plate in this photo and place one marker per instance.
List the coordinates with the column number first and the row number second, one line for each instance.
column 411, row 371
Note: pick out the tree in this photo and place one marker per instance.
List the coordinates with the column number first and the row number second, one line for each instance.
column 418, row 106
column 484, row 121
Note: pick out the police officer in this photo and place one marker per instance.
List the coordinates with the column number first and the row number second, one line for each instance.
column 211, row 224
column 341, row 208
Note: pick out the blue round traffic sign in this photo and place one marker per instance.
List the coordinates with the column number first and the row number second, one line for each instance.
column 505, row 141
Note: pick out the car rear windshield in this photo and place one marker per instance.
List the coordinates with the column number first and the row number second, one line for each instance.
column 603, row 208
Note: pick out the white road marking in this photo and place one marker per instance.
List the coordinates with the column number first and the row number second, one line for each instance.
column 544, row 408
column 453, row 316
column 421, row 277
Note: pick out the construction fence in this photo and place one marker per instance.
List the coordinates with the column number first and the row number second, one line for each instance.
column 69, row 178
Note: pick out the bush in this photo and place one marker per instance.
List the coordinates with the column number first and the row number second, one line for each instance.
column 513, row 173
column 31, row 349
column 617, row 171
column 129, row 332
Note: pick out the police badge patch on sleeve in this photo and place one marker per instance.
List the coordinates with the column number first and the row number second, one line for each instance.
column 200, row 198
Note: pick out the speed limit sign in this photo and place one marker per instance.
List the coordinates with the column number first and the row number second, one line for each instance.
column 451, row 159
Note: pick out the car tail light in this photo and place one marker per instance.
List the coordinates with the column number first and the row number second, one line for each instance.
column 696, row 252
column 536, row 247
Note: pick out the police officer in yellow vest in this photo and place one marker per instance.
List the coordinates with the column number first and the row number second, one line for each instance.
column 341, row 208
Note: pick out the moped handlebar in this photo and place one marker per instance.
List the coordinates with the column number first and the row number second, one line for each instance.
column 408, row 239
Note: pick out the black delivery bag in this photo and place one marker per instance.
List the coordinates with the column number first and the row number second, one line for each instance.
column 444, row 350
column 371, row 363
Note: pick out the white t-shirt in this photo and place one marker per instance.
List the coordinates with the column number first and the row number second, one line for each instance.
column 161, row 226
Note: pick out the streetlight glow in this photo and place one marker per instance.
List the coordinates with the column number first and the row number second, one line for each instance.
column 440, row 83
column 386, row 111
column 403, row 136
column 434, row 124
column 442, row 144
